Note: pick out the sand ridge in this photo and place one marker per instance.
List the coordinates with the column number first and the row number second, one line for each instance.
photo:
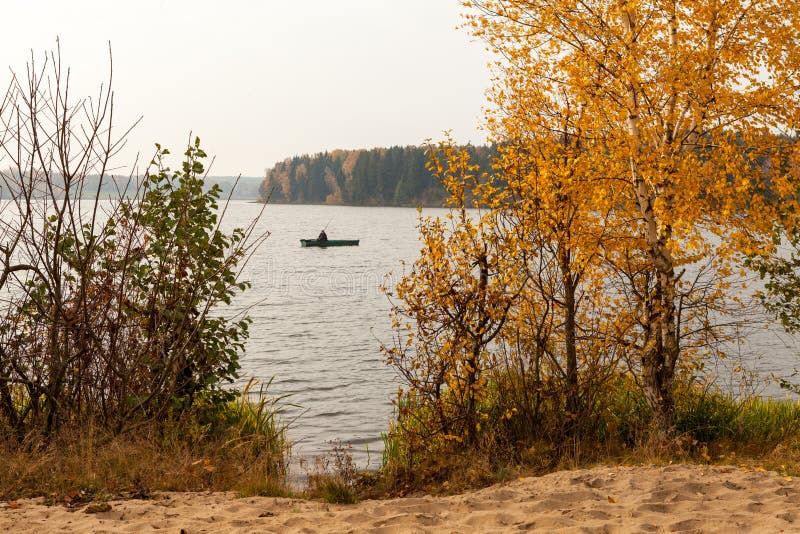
column 675, row 498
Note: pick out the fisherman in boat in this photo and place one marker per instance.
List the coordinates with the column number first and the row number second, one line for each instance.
column 322, row 236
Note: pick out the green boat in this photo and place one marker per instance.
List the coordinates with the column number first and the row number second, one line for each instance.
column 329, row 243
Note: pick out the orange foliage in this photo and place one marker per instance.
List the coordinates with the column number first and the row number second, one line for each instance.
column 639, row 141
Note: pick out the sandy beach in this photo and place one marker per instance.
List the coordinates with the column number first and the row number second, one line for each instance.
column 676, row 498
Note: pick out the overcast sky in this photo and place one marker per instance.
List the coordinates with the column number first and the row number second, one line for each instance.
column 262, row 81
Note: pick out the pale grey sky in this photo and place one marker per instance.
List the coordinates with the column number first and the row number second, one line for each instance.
column 262, row 81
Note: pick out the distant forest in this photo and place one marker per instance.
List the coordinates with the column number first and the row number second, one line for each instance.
column 393, row 176
column 247, row 187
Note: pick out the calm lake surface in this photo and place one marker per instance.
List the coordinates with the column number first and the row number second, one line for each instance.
column 319, row 318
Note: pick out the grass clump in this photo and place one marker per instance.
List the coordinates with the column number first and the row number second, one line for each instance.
column 334, row 477
column 332, row 489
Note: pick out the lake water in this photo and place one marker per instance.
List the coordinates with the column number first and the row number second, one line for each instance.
column 319, row 317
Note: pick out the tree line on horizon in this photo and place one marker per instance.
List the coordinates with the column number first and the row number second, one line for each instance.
column 114, row 186
column 394, row 176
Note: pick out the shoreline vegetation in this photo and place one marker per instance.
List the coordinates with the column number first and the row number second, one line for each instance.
column 563, row 315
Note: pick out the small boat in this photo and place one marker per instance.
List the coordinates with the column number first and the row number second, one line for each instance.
column 329, row 243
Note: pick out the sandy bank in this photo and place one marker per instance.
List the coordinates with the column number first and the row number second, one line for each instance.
column 604, row 499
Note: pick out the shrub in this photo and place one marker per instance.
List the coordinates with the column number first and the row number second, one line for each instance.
column 120, row 320
column 114, row 313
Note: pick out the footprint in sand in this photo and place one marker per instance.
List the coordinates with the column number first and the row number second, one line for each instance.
column 755, row 507
column 693, row 488
column 481, row 506
column 296, row 522
column 427, row 520
column 661, row 496
column 391, row 521
column 657, row 507
column 792, row 497
column 596, row 483
column 732, row 485
column 687, row 524
column 582, row 516
column 598, row 514
column 493, row 520
column 503, row 495
column 648, row 527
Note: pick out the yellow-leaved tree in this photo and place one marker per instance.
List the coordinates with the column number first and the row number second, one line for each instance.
column 454, row 304
column 550, row 212
column 678, row 106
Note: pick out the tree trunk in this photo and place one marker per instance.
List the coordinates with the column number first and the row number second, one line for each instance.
column 661, row 348
column 568, row 283
column 477, row 346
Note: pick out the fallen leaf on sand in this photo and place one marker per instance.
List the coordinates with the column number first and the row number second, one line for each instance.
column 611, row 499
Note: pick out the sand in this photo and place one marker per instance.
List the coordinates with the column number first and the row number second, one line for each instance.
column 676, row 498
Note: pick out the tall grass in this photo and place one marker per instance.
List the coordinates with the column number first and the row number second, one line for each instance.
column 255, row 423
column 239, row 445
column 710, row 416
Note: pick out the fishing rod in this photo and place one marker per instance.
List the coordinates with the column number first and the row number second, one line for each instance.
column 326, row 226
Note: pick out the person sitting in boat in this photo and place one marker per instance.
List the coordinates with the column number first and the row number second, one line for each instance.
column 322, row 236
